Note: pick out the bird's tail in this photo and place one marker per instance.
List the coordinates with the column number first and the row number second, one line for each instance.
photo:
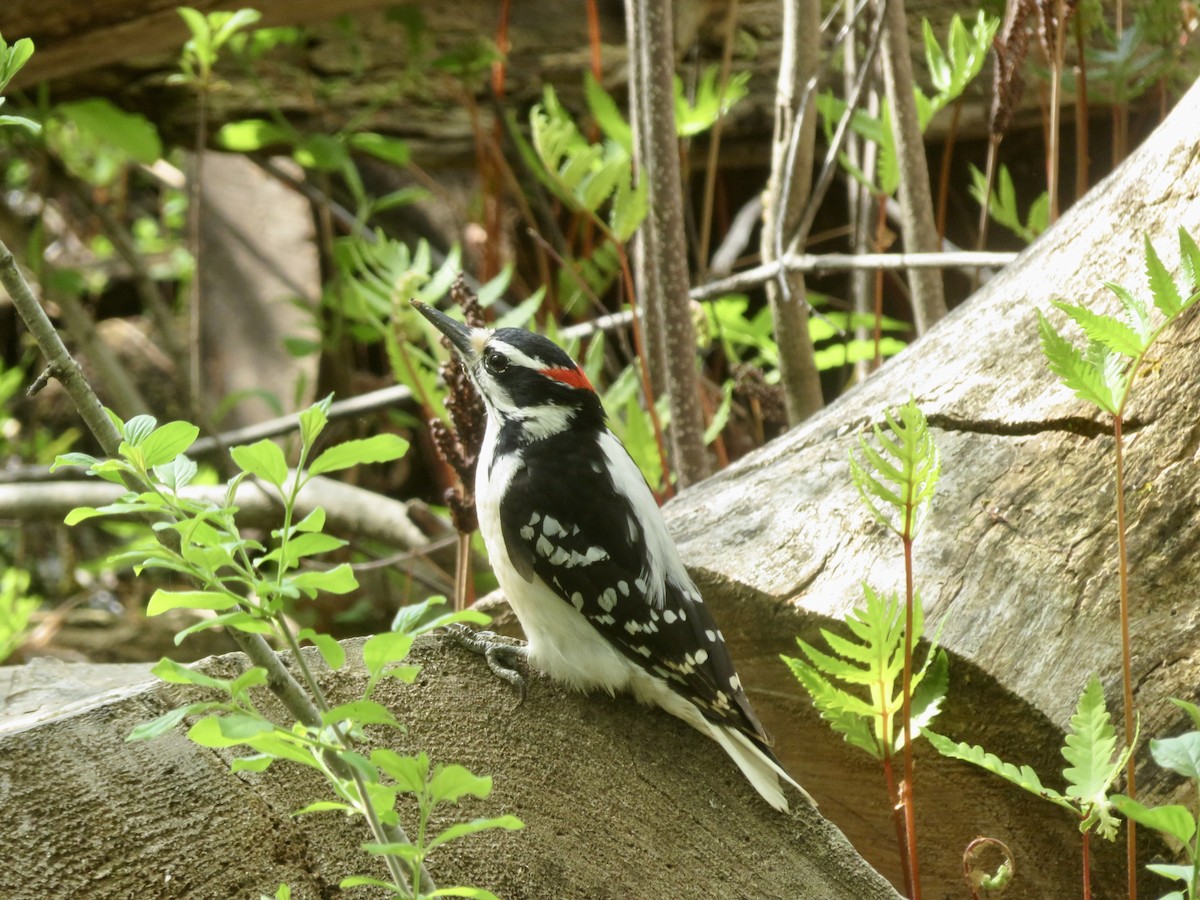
column 757, row 764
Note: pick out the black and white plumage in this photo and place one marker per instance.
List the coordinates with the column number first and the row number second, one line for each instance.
column 582, row 552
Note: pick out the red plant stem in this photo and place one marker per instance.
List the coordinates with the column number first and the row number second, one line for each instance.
column 1126, row 655
column 880, row 230
column 906, row 786
column 1087, row 866
column 893, row 792
column 492, row 210
column 944, row 173
column 639, row 345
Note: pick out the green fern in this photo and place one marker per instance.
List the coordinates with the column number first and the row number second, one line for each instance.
column 583, row 175
column 897, row 480
column 1002, row 206
column 857, row 688
column 1089, row 748
column 1103, row 372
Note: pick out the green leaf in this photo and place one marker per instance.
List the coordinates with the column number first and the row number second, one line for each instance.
column 324, row 806
column 1179, row 754
column 302, row 545
column 901, row 474
column 1023, row 777
column 1067, row 362
column 177, row 673
column 132, row 134
column 389, row 149
column 410, row 773
column 13, row 58
column 313, row 522
column 846, row 714
column 1189, row 260
column 258, row 762
column 1135, row 311
column 406, row 852
column 238, row 619
column 1191, row 709
column 1106, row 330
column 176, row 474
column 1173, row 871
column 138, row 429
column 1162, row 285
column 167, row 441
column 472, row 893
column 362, row 712
column 331, row 651
column 381, row 650
column 161, row 601
column 73, row 459
column 417, row 618
column 1090, row 744
column 450, row 783
column 606, row 113
column 377, row 449
column 250, row 135
column 321, row 152
column 228, row 730
column 1173, row 820
column 145, row 731
column 313, row 420
column 338, row 580
column 262, row 459
column 462, row 829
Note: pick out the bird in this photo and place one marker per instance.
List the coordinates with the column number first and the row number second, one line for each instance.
column 581, row 551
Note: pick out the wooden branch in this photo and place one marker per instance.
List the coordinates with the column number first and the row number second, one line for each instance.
column 786, row 199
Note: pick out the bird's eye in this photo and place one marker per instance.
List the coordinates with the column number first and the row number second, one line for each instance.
column 495, row 362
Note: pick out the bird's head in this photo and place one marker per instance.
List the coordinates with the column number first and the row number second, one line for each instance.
column 524, row 378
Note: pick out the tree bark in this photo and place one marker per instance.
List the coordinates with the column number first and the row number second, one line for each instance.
column 658, row 158
column 786, row 197
column 916, row 199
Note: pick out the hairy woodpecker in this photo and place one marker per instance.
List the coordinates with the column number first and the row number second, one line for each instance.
column 583, row 555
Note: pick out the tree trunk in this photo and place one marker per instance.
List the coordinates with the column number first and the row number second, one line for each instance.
column 658, row 159
column 916, row 200
column 786, row 197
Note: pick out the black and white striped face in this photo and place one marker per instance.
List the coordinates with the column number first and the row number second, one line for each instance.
column 523, row 377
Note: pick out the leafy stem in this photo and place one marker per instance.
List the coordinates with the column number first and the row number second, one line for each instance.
column 1103, row 374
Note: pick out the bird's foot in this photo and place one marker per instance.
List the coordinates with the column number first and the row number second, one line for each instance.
column 501, row 654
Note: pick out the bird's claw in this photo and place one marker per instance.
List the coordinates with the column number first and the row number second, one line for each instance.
column 502, row 657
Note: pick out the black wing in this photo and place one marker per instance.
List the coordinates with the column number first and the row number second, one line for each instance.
column 567, row 520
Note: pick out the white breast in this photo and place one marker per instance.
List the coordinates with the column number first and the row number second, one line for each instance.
column 562, row 643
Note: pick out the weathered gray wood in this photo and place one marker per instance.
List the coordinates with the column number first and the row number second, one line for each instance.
column 1018, row 559
column 618, row 803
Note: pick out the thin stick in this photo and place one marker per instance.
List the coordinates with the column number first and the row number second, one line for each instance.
column 1126, row 657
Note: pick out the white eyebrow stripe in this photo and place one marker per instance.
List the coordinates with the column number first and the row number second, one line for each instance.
column 518, row 357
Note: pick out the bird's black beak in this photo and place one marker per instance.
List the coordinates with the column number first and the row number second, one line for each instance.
column 459, row 335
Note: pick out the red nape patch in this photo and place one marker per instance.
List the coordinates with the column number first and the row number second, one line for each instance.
column 573, row 377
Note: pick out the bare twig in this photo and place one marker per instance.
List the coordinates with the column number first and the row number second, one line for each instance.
column 787, row 202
